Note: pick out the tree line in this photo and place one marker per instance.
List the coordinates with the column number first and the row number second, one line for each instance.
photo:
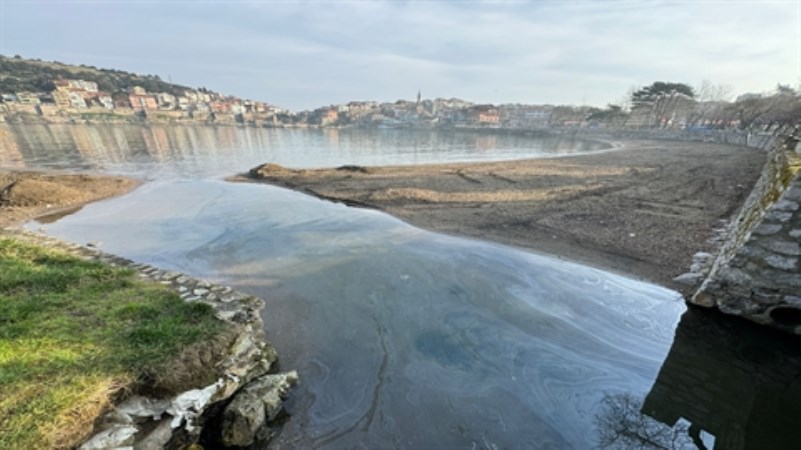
column 707, row 106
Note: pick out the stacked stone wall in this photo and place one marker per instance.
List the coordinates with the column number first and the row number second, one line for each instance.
column 757, row 274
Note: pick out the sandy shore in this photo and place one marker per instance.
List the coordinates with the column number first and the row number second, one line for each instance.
column 642, row 210
column 26, row 195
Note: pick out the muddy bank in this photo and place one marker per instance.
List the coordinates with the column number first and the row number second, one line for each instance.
column 25, row 195
column 643, row 210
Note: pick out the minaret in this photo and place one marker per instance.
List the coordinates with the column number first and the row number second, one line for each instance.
column 418, row 98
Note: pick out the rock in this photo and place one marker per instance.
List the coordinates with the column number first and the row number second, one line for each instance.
column 258, row 403
column 767, row 229
column 170, row 275
column 784, row 247
column 796, row 233
column 190, row 404
column 779, row 216
column 114, row 437
column 242, row 419
column 689, row 278
column 794, row 193
column 703, row 299
column 781, row 262
column 138, row 406
column 200, row 291
column 156, row 439
column 792, row 300
column 702, row 257
column 786, row 205
column 272, row 389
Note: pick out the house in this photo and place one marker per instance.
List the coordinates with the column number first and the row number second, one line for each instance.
column 329, row 116
column 324, row 116
column 220, row 106
column 28, row 98
column 83, row 85
column 184, row 102
column 166, row 100
column 77, row 100
column 483, row 115
column 105, row 100
column 143, row 102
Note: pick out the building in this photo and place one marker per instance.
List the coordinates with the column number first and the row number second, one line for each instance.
column 28, row 98
column 329, row 117
column 166, row 100
column 77, row 100
column 143, row 102
column 220, row 106
column 483, row 115
column 83, row 85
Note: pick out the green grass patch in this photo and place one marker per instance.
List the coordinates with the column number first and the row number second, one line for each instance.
column 73, row 333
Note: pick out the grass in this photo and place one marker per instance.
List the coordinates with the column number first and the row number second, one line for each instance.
column 73, row 335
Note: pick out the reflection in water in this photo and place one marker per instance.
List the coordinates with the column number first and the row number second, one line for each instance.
column 726, row 384
column 402, row 338
column 732, row 379
column 621, row 424
column 9, row 150
column 158, row 152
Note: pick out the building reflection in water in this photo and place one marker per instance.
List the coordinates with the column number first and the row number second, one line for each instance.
column 726, row 384
column 10, row 155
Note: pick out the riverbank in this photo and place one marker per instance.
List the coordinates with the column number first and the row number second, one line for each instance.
column 25, row 195
column 642, row 210
column 103, row 352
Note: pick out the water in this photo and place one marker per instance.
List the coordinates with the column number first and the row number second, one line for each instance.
column 160, row 152
column 410, row 339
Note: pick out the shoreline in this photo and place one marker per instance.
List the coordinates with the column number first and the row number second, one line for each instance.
column 640, row 209
column 33, row 194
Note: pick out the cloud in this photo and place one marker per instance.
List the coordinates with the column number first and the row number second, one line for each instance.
column 305, row 54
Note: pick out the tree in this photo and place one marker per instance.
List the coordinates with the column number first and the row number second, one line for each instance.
column 711, row 107
column 662, row 99
column 785, row 89
column 612, row 115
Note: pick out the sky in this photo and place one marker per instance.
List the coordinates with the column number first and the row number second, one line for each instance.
column 305, row 54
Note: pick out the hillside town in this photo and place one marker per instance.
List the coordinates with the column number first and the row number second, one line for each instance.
column 82, row 99
column 661, row 105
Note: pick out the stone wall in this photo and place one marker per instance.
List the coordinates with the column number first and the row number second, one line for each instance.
column 757, row 274
column 237, row 409
column 761, row 139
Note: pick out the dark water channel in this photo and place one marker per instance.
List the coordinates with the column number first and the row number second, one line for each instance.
column 410, row 339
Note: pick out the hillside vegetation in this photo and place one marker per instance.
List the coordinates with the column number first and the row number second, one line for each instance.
column 19, row 74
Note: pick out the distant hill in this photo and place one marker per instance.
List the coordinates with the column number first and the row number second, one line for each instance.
column 20, row 74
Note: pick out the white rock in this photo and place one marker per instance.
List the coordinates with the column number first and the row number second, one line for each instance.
column 112, row 438
column 689, row 279
column 190, row 404
column 138, row 406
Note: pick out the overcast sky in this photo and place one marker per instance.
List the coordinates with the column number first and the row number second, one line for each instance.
column 302, row 55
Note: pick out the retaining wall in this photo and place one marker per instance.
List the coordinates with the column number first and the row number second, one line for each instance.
column 757, row 274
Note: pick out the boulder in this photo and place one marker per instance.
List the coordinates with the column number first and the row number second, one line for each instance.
column 244, row 419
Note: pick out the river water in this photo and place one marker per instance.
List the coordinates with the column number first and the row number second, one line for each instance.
column 410, row 339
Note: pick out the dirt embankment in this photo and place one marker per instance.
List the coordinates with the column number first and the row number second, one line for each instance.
column 642, row 210
column 25, row 195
